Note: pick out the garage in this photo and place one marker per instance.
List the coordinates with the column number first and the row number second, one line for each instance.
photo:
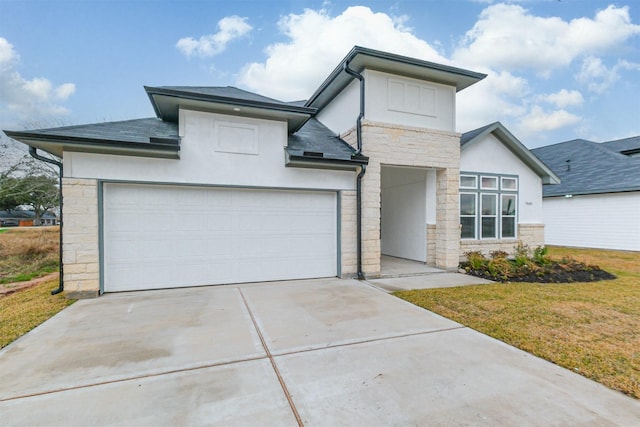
column 167, row 236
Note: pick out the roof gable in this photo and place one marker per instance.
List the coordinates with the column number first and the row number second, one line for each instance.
column 503, row 135
column 360, row 58
column 167, row 100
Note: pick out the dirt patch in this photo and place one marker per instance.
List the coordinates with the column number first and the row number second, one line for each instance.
column 10, row 288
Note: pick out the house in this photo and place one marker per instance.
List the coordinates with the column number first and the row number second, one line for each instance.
column 500, row 191
column 19, row 217
column 248, row 188
column 597, row 205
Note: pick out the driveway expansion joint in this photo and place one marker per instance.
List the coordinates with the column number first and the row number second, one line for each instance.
column 273, row 362
column 134, row 378
column 365, row 341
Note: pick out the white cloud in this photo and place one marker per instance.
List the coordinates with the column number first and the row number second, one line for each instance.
column 598, row 77
column 564, row 98
column 229, row 28
column 509, row 37
column 537, row 120
column 21, row 98
column 317, row 42
column 499, row 97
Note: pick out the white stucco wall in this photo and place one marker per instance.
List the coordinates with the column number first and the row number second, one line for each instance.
column 403, row 217
column 608, row 221
column 392, row 99
column 341, row 113
column 216, row 149
column 409, row 102
column 491, row 156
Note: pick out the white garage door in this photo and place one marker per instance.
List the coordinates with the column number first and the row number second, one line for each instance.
column 173, row 236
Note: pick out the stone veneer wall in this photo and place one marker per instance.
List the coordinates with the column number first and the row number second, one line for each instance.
column 396, row 145
column 348, row 234
column 80, row 244
column 431, row 244
column 529, row 234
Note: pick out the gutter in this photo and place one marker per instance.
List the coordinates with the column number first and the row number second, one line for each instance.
column 363, row 168
column 35, row 155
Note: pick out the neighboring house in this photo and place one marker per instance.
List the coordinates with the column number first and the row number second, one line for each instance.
column 19, row 217
column 597, row 205
column 500, row 191
column 247, row 188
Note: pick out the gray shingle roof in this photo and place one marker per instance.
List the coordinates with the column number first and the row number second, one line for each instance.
column 137, row 131
column 469, row 136
column 223, row 92
column 624, row 145
column 314, row 141
column 587, row 167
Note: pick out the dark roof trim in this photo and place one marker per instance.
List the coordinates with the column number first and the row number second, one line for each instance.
column 593, row 192
column 157, row 147
column 290, row 108
column 463, row 78
column 313, row 161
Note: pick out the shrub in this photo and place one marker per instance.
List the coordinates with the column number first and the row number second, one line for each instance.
column 476, row 260
column 541, row 255
column 500, row 268
column 499, row 254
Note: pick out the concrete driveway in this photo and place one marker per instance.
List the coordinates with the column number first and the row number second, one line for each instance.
column 315, row 352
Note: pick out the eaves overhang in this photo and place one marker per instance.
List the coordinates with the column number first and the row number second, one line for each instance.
column 167, row 148
column 316, row 162
column 360, row 58
column 167, row 103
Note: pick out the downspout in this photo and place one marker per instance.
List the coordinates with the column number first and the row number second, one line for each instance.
column 363, row 168
column 35, row 155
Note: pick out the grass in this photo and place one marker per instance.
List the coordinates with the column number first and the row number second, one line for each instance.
column 24, row 310
column 27, row 253
column 590, row 328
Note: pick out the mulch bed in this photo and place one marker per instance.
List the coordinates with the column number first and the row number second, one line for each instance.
column 550, row 273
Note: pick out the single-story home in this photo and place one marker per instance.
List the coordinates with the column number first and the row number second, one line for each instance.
column 597, row 205
column 248, row 188
column 20, row 217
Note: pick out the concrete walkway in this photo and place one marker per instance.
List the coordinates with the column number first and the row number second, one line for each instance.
column 317, row 352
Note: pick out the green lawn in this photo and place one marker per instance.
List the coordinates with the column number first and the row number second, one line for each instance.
column 590, row 328
column 24, row 310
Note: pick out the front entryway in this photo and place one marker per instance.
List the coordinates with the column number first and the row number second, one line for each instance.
column 403, row 213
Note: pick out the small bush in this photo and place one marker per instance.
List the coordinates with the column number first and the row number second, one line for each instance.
column 476, row 260
column 541, row 255
column 500, row 268
column 498, row 254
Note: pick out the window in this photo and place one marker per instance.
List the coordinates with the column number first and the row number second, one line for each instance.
column 489, row 183
column 468, row 181
column 509, row 184
column 488, row 206
column 489, row 216
column 508, row 215
column 468, row 215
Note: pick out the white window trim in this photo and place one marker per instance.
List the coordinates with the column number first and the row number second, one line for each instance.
column 475, row 177
column 496, row 178
column 475, row 217
column 496, row 216
column 502, row 178
column 515, row 217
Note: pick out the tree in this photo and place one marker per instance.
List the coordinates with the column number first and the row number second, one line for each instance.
column 39, row 191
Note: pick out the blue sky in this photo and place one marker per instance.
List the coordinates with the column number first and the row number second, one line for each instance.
column 557, row 70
